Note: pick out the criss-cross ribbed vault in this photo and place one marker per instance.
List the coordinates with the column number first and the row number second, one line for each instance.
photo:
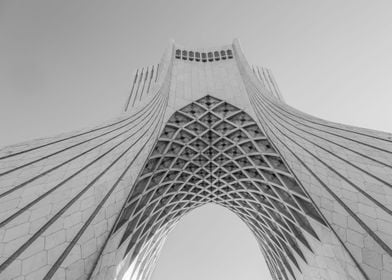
column 212, row 152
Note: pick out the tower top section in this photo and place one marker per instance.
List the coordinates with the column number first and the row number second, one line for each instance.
column 206, row 70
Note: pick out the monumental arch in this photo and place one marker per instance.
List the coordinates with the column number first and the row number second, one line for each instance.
column 202, row 126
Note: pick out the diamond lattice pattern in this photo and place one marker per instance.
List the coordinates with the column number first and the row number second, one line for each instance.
column 213, row 152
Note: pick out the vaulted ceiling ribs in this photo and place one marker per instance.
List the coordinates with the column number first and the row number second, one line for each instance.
column 213, row 152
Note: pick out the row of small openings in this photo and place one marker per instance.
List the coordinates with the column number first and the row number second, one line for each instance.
column 210, row 56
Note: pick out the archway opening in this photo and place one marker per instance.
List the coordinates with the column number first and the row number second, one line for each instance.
column 211, row 243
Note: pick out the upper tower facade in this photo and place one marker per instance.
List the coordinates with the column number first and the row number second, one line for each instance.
column 202, row 126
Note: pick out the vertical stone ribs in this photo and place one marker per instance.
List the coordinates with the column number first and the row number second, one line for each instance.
column 143, row 81
column 213, row 152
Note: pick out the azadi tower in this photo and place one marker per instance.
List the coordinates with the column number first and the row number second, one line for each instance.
column 202, row 126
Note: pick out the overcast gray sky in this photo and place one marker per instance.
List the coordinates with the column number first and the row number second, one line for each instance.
column 66, row 65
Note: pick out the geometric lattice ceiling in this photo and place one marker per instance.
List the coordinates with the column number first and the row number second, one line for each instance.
column 212, row 152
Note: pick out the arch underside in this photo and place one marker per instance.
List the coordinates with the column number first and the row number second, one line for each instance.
column 213, row 152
